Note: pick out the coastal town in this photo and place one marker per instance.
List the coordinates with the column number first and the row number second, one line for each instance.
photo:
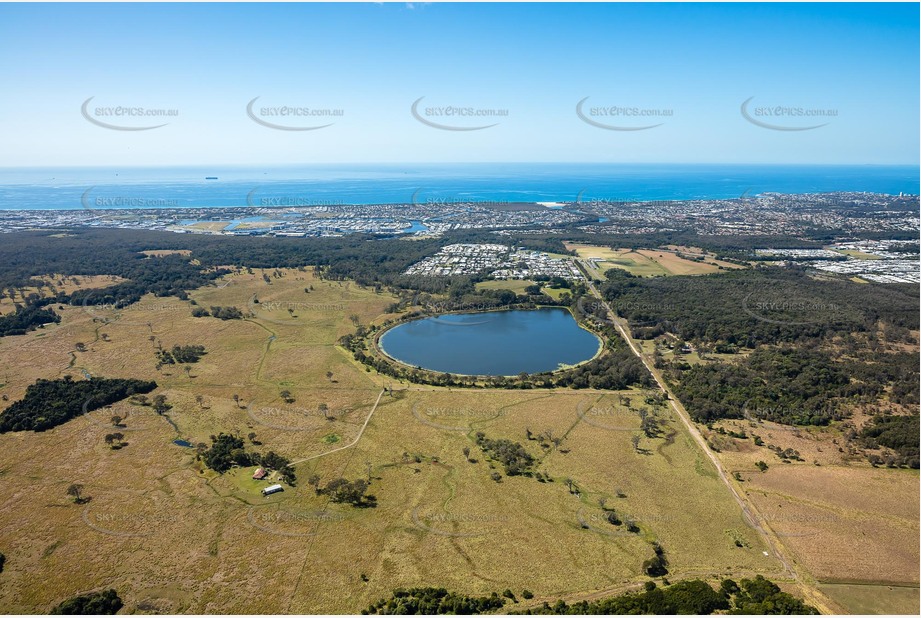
column 858, row 222
column 498, row 261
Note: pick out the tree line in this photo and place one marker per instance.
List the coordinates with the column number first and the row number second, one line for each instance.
column 758, row 596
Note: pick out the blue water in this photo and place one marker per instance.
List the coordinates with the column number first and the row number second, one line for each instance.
column 317, row 185
column 182, row 443
column 492, row 343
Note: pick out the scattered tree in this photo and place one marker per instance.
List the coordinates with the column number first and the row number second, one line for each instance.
column 75, row 491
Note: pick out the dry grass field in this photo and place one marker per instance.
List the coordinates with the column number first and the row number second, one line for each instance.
column 647, row 262
column 843, row 520
column 876, row 599
column 515, row 285
column 170, row 535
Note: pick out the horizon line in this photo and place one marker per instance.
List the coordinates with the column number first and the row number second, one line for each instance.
column 420, row 163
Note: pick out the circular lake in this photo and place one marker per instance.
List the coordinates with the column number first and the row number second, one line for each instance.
column 502, row 343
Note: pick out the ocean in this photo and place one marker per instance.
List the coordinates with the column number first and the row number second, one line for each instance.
column 333, row 184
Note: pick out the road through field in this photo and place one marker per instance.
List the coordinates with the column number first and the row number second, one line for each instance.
column 750, row 512
column 353, row 442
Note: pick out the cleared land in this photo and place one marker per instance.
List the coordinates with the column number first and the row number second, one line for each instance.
column 515, row 285
column 644, row 262
column 860, row 255
column 874, row 599
column 174, row 537
column 518, row 286
column 842, row 519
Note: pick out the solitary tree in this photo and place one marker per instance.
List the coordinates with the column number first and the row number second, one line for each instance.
column 116, row 421
column 286, row 395
column 329, row 376
column 74, row 491
column 467, row 453
column 325, row 410
column 200, row 399
column 635, row 440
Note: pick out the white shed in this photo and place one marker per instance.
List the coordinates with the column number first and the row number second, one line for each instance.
column 271, row 489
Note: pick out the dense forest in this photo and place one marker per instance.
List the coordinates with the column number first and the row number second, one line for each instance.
column 763, row 305
column 787, row 385
column 26, row 318
column 820, row 347
column 49, row 403
column 899, row 433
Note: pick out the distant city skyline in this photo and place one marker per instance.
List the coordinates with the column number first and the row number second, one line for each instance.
column 257, row 84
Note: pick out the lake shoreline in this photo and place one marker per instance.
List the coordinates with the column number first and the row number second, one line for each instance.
column 379, row 346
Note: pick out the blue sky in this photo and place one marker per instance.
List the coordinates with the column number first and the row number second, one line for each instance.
column 692, row 64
